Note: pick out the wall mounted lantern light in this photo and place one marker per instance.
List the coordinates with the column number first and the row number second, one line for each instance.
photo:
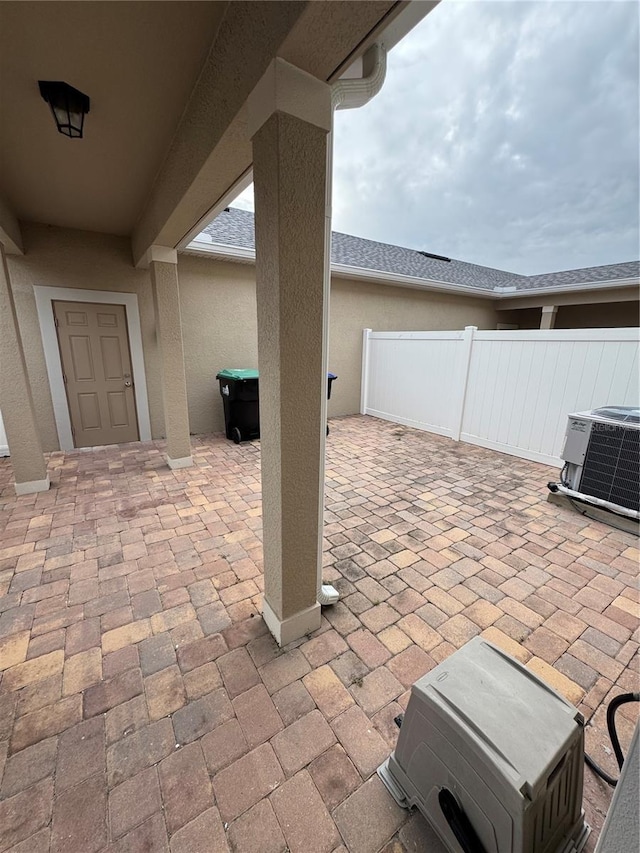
column 68, row 105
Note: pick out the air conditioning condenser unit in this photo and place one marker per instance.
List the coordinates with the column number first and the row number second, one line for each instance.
column 602, row 457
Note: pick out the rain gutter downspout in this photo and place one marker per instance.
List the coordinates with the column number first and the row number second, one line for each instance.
column 346, row 94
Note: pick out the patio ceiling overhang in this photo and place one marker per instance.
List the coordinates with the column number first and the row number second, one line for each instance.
column 137, row 62
column 321, row 39
column 166, row 139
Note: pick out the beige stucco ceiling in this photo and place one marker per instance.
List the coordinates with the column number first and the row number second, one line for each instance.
column 166, row 137
column 137, row 61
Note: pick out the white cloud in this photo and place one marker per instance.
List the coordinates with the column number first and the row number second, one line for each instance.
column 245, row 200
column 506, row 134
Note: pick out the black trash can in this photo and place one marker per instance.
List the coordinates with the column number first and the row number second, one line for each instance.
column 330, row 377
column 239, row 392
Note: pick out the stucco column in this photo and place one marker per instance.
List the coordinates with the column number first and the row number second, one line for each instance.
column 289, row 118
column 548, row 317
column 16, row 404
column 163, row 265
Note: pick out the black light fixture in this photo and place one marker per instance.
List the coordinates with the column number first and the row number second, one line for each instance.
column 68, row 105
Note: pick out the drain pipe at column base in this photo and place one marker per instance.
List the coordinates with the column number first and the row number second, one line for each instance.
column 346, row 94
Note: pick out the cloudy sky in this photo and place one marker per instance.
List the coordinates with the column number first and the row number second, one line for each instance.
column 506, row 134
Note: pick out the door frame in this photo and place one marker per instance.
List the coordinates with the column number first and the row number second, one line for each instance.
column 45, row 297
column 4, row 444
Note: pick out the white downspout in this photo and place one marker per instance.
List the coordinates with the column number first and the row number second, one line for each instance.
column 349, row 93
column 345, row 95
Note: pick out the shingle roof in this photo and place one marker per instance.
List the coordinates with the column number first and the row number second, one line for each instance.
column 368, row 254
column 609, row 272
column 235, row 227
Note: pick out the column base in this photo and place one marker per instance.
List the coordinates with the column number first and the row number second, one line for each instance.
column 32, row 486
column 182, row 462
column 294, row 627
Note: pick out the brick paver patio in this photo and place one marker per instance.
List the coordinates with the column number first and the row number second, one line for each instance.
column 143, row 706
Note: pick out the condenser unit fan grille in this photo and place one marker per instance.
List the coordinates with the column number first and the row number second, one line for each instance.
column 612, row 465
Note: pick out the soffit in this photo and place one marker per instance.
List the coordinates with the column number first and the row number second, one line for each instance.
column 318, row 36
column 137, row 61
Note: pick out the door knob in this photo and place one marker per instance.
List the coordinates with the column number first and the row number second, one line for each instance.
column 127, row 384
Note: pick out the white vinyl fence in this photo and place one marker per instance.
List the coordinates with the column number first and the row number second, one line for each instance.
column 506, row 390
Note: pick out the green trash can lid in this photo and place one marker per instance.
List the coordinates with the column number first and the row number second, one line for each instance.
column 238, row 373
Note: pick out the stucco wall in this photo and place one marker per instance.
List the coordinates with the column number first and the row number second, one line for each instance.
column 218, row 305
column 57, row 257
column 219, row 328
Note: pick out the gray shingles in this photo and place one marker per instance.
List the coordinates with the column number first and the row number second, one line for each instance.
column 235, row 227
column 587, row 275
column 368, row 254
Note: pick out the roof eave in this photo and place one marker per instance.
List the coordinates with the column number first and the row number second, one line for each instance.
column 240, row 254
column 380, row 277
column 219, row 251
column 570, row 288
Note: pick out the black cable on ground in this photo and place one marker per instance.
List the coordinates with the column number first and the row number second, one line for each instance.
column 600, row 772
column 615, row 703
column 611, row 722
